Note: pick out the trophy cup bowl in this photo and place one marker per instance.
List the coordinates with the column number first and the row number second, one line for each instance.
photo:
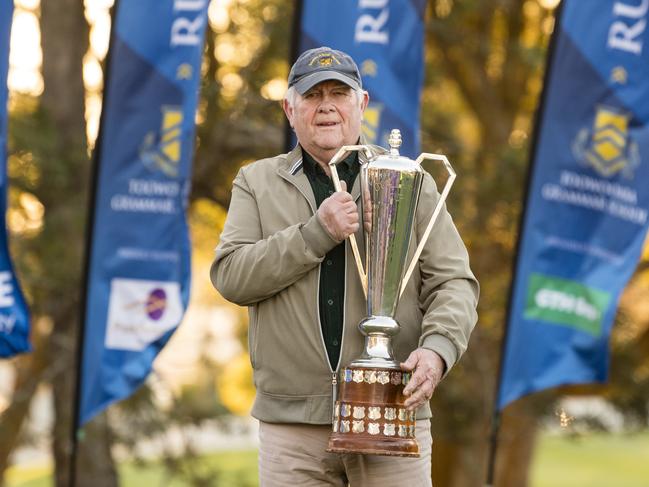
column 369, row 415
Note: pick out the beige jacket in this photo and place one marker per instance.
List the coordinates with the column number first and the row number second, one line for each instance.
column 268, row 259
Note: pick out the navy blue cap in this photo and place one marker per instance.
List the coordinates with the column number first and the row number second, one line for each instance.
column 322, row 64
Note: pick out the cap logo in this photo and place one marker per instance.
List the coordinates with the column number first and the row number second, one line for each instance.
column 324, row 59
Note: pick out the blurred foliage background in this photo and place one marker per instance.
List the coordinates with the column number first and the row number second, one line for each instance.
column 484, row 70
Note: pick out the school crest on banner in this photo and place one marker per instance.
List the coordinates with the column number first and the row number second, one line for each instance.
column 606, row 147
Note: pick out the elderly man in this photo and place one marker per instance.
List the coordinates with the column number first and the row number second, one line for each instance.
column 283, row 254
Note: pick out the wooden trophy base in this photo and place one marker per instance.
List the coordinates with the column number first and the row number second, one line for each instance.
column 369, row 415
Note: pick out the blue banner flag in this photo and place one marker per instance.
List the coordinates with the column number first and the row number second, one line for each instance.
column 14, row 318
column 139, row 266
column 586, row 217
column 386, row 39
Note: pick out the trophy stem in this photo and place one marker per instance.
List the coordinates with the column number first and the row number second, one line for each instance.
column 377, row 352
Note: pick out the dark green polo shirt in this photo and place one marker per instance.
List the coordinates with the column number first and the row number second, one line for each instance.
column 332, row 269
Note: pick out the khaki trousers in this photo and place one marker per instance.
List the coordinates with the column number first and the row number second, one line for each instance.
column 292, row 455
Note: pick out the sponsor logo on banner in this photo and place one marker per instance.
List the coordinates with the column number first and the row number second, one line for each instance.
column 565, row 302
column 140, row 312
column 607, row 147
column 161, row 151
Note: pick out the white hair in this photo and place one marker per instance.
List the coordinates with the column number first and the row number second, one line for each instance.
column 292, row 94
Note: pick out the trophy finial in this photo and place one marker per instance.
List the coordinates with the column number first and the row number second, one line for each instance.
column 394, row 140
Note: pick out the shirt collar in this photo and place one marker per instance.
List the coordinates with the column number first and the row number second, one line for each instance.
column 311, row 166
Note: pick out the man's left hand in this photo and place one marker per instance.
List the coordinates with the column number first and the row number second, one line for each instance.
column 427, row 369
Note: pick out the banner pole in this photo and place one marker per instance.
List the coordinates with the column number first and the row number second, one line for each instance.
column 496, row 416
column 293, row 55
column 90, row 221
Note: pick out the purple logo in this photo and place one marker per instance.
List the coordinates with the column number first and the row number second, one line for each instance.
column 156, row 303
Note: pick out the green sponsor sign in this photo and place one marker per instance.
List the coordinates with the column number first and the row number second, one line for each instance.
column 567, row 303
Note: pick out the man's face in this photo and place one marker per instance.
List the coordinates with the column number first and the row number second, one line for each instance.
column 326, row 117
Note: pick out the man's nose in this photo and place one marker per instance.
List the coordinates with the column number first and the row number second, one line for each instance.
column 326, row 105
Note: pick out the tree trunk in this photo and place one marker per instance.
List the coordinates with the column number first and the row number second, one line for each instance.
column 516, row 445
column 64, row 42
column 458, row 464
column 29, row 369
column 64, row 34
column 94, row 463
column 461, row 462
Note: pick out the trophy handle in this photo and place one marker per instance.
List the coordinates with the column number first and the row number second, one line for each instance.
column 340, row 155
column 438, row 207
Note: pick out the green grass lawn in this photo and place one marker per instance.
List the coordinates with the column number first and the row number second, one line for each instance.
column 594, row 460
column 236, row 469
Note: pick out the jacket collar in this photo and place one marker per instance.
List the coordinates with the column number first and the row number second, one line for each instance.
column 293, row 171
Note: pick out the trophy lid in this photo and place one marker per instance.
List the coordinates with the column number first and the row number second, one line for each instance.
column 394, row 140
column 393, row 160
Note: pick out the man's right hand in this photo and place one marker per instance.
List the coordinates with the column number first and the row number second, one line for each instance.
column 339, row 214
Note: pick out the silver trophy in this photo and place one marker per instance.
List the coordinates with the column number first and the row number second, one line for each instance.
column 390, row 187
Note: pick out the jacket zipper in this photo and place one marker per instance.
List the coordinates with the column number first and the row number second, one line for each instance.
column 334, row 374
column 334, row 395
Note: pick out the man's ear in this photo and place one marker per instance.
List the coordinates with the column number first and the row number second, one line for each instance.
column 365, row 101
column 288, row 110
